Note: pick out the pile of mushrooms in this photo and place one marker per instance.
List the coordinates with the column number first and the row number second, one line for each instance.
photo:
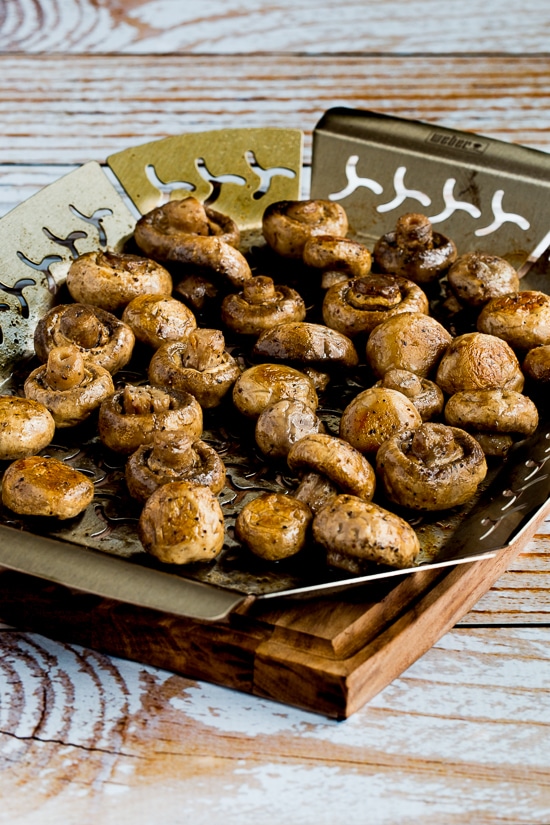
column 424, row 411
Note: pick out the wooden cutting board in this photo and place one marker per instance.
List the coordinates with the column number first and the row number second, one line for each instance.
column 328, row 655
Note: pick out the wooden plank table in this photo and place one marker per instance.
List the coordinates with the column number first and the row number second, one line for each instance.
column 464, row 734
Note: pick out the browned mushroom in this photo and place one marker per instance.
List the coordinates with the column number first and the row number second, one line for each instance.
column 357, row 306
column 273, row 526
column 476, row 277
column 158, row 319
column 426, row 396
column 184, row 231
column 262, row 385
column 110, row 280
column 376, row 414
column 69, row 386
column 133, row 414
column 520, row 318
column 37, row 486
column 434, row 467
column 173, row 456
column 412, row 341
column 487, row 413
column 536, row 364
column 199, row 365
column 358, row 533
column 26, row 427
column 288, row 225
column 301, row 345
column 284, row 423
column 477, row 361
column 181, row 523
column 414, row 250
column 327, row 466
column 339, row 259
column 260, row 306
column 99, row 335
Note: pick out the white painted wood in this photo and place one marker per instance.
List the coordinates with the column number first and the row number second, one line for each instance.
column 249, row 26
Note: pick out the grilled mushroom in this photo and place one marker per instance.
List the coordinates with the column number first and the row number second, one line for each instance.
column 133, row 414
column 434, row 467
column 358, row 306
column 284, row 423
column 69, row 386
column 260, row 306
column 273, row 526
column 414, row 250
column 37, row 486
column 358, row 533
column 476, row 277
column 423, row 393
column 520, row 318
column 488, row 413
column 173, row 456
column 182, row 522
column 184, row 231
column 111, row 280
column 158, row 319
column 288, row 225
column 199, row 365
column 99, row 335
column 376, row 414
column 26, row 427
column 536, row 364
column 328, row 466
column 412, row 341
column 477, row 361
column 339, row 259
column 264, row 384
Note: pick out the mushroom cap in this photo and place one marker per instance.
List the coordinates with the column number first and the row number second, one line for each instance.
column 184, row 231
column 284, row 423
column 334, row 254
column 273, row 526
column 37, row 486
column 301, row 343
column 414, row 250
column 477, row 361
column 520, row 318
column 26, row 427
column 111, row 280
column 476, row 277
column 76, row 403
column 357, row 306
column 133, row 414
column 172, row 456
column 536, row 364
column 262, row 385
column 260, row 306
column 413, row 341
column 357, row 533
column 335, row 459
column 288, row 225
column 158, row 319
column 99, row 335
column 492, row 411
column 181, row 523
column 206, row 374
column 426, row 396
column 376, row 414
column 434, row 467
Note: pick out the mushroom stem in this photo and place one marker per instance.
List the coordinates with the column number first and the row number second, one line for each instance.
column 177, row 453
column 65, row 368
column 374, row 292
column 143, row 401
column 81, row 325
column 206, row 349
column 315, row 490
column 435, row 445
column 259, row 290
column 414, row 231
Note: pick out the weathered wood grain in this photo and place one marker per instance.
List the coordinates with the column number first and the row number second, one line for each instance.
column 248, row 26
column 84, row 737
